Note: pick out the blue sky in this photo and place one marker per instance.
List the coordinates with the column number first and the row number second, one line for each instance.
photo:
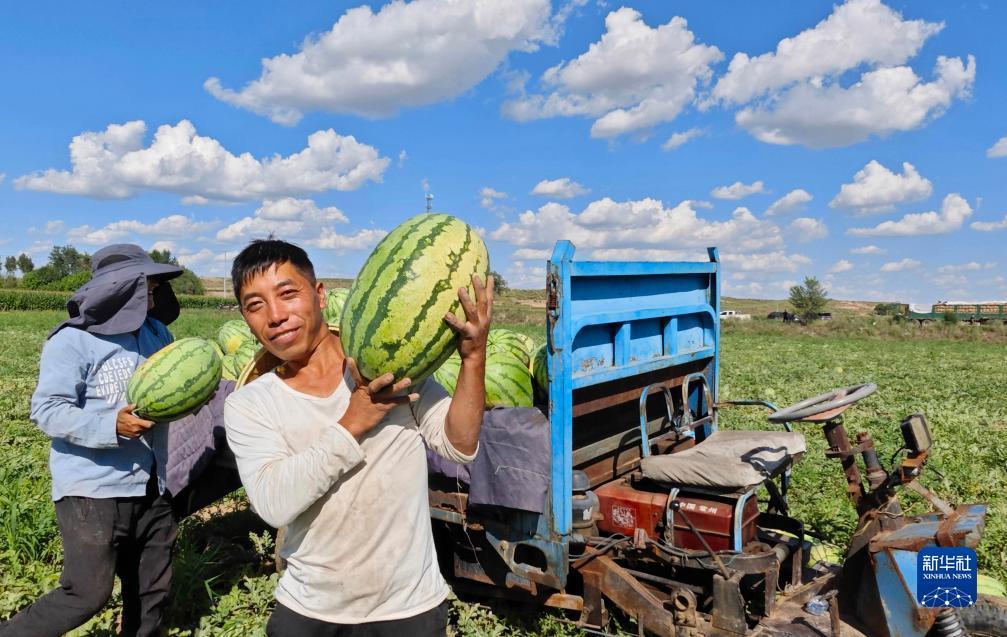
column 861, row 142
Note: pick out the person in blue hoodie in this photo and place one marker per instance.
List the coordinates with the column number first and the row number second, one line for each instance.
column 107, row 463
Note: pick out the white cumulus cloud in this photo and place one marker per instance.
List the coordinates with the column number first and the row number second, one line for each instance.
column 488, row 197
column 170, row 226
column 999, row 149
column 115, row 164
column 971, row 266
column 632, row 79
column 868, row 249
column 875, row 188
column 883, row 101
column 898, row 266
column 841, row 265
column 677, row 139
column 790, row 202
column 563, row 188
column 805, row 229
column 53, row 227
column 989, row 226
column 857, row 32
column 639, row 224
column 405, row 55
column 954, row 211
column 286, row 218
column 738, row 190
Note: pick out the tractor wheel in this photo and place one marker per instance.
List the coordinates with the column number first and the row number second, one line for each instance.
column 988, row 618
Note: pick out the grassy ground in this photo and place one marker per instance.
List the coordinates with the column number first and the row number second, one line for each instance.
column 223, row 584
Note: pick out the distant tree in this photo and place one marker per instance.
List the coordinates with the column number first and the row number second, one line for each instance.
column 809, row 299
column 39, row 277
column 188, row 282
column 499, row 283
column 10, row 264
column 24, row 263
column 950, row 317
column 888, row 309
column 67, row 260
column 163, row 256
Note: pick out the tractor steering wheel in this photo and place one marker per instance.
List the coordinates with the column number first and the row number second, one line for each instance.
column 825, row 406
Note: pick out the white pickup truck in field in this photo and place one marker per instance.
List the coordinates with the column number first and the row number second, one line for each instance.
column 731, row 314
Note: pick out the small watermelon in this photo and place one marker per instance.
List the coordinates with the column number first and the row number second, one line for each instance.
column 176, row 380
column 501, row 340
column 447, row 374
column 540, row 370
column 334, row 300
column 508, row 382
column 393, row 318
column 232, row 334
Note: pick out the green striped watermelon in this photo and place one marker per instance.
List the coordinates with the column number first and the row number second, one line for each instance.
column 175, row 380
column 243, row 356
column 447, row 374
column 393, row 318
column 540, row 370
column 502, row 340
column 508, row 382
column 227, row 369
column 529, row 342
column 232, row 334
column 334, row 300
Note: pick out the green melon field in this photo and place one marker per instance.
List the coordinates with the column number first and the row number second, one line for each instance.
column 223, row 569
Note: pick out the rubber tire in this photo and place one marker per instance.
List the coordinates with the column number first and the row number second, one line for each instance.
column 988, row 617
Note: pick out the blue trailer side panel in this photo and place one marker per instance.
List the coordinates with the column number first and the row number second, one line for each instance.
column 608, row 321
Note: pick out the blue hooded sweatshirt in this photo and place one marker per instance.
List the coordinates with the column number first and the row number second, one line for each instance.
column 81, row 388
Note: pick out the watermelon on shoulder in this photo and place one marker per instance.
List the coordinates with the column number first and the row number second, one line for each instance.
column 393, row 317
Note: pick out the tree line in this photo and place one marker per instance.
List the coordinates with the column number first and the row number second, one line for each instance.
column 69, row 268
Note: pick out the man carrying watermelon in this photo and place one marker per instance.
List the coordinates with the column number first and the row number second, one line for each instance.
column 340, row 460
column 107, row 464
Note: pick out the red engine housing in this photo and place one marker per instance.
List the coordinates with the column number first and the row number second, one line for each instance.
column 727, row 522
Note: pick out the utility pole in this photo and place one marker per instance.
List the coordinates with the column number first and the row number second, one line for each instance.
column 430, row 202
column 225, row 275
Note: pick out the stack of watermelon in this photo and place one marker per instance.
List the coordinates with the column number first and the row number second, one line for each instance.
column 334, row 301
column 238, row 345
column 508, row 370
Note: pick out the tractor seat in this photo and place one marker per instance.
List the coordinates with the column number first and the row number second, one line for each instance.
column 726, row 460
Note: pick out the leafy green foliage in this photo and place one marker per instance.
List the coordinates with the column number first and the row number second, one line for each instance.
column 71, row 282
column 888, row 309
column 809, row 299
column 38, row 279
column 499, row 282
column 950, row 317
column 66, row 260
column 10, row 264
column 24, row 263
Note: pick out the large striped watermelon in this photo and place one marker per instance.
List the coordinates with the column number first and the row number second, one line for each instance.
column 393, row 319
column 334, row 300
column 504, row 340
column 447, row 374
column 529, row 342
column 508, row 382
column 175, row 380
column 232, row 334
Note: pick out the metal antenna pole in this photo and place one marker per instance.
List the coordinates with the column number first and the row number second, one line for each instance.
column 430, row 200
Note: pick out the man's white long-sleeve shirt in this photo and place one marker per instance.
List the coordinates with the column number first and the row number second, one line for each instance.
column 359, row 546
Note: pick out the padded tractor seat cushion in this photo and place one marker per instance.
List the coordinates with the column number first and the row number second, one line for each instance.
column 727, row 459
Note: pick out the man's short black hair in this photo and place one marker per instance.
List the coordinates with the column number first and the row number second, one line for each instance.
column 262, row 254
